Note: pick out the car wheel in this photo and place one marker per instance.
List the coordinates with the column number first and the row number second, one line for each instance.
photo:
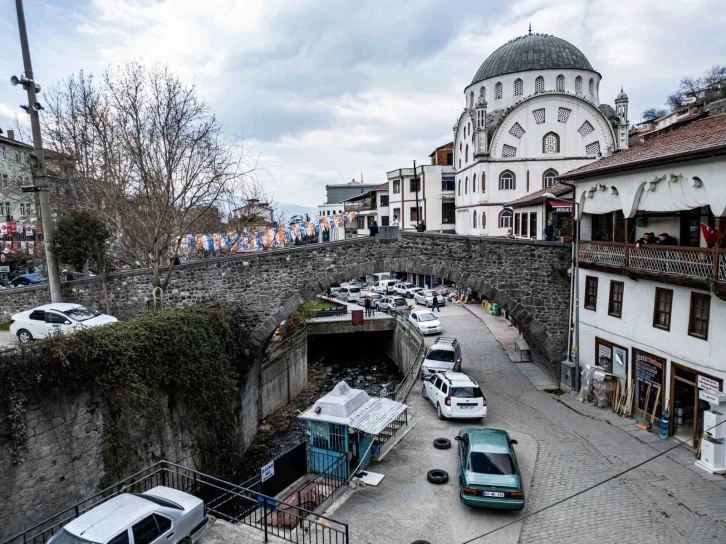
column 420, row 542
column 438, row 412
column 24, row 336
column 442, row 443
column 185, row 540
column 423, row 392
column 437, row 476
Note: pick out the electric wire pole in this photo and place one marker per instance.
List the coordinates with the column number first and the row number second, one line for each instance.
column 40, row 175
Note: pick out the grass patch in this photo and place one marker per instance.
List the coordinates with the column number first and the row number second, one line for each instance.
column 5, row 326
column 320, row 304
column 557, row 391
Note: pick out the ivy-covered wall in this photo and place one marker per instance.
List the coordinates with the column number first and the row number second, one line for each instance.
column 79, row 412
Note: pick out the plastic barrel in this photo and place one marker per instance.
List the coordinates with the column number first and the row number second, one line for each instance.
column 496, row 310
column 665, row 419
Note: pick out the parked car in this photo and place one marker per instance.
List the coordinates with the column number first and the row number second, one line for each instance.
column 28, row 279
column 489, row 475
column 373, row 296
column 334, row 289
column 386, row 304
column 349, row 294
column 384, row 287
column 455, row 395
column 442, row 356
column 425, row 321
column 405, row 289
column 426, row 297
column 161, row 514
column 61, row 317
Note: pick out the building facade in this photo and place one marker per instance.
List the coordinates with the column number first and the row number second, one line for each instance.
column 532, row 112
column 652, row 314
column 369, row 206
column 337, row 193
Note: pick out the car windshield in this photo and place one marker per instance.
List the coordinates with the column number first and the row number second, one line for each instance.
column 441, row 355
column 466, row 392
column 430, row 293
column 64, row 537
column 407, row 285
column 491, row 463
column 354, row 290
column 81, row 313
column 426, row 317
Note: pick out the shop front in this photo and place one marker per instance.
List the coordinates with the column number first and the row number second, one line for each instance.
column 612, row 358
column 648, row 372
column 686, row 407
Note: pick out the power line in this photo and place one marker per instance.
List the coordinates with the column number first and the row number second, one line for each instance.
column 583, row 491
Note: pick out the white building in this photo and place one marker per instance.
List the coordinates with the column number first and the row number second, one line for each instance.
column 532, row 112
column 655, row 314
column 370, row 206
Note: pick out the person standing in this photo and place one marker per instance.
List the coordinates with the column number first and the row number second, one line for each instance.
column 396, row 222
column 435, row 303
column 367, row 306
column 549, row 231
column 373, row 229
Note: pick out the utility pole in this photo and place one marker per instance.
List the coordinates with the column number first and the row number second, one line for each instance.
column 415, row 182
column 40, row 176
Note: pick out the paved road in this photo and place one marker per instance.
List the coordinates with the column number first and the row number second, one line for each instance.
column 662, row 502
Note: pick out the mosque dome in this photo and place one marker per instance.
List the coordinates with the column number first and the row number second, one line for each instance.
column 532, row 52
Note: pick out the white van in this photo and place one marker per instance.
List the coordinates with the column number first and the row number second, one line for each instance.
column 384, row 287
column 349, row 294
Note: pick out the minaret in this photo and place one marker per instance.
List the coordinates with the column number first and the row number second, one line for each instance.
column 621, row 108
column 481, row 125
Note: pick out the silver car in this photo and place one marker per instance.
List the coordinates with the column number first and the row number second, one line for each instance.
column 427, row 298
column 161, row 514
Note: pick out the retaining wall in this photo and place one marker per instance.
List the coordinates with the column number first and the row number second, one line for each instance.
column 284, row 375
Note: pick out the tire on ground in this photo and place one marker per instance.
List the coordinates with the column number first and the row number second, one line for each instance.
column 437, row 476
column 442, row 443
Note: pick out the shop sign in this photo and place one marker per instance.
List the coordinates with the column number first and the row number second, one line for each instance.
column 713, row 397
column 707, row 383
column 267, row 471
column 648, row 369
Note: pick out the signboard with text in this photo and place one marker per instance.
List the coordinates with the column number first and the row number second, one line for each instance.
column 267, row 471
column 708, row 383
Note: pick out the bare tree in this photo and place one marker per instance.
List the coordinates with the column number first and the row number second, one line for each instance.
column 653, row 113
column 690, row 88
column 151, row 158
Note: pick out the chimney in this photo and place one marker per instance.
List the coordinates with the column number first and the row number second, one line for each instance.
column 11, row 134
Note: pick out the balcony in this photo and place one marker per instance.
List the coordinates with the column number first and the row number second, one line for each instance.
column 360, row 205
column 690, row 266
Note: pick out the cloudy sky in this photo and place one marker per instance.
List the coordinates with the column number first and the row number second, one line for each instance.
column 324, row 90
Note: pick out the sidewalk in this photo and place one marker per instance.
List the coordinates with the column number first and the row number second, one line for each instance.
column 507, row 335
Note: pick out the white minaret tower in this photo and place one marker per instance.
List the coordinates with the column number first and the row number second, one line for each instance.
column 481, row 125
column 621, row 108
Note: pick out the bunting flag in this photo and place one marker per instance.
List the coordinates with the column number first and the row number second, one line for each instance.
column 710, row 235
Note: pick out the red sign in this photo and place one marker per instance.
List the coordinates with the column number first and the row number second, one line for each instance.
column 12, row 228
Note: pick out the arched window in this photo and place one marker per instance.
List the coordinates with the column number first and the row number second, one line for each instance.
column 498, row 91
column 505, row 219
column 551, row 143
column 473, row 221
column 459, row 191
column 466, row 185
column 539, row 84
column 560, row 83
column 578, row 84
column 466, row 154
column 473, row 183
column 592, row 86
column 483, row 182
column 518, row 87
column 483, row 220
column 471, row 99
column 549, row 178
column 483, row 92
column 507, row 181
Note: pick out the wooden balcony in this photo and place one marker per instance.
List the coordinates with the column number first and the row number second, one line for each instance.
column 690, row 266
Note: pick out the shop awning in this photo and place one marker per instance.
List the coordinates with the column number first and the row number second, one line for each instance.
column 564, row 206
column 376, row 415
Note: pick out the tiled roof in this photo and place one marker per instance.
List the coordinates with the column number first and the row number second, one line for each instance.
column 559, row 189
column 698, row 136
column 381, row 187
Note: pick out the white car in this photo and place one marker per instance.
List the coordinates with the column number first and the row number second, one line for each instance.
column 425, row 321
column 384, row 287
column 159, row 515
column 405, row 289
column 349, row 294
column 386, row 304
column 61, row 317
column 365, row 294
column 455, row 395
column 442, row 356
column 426, row 297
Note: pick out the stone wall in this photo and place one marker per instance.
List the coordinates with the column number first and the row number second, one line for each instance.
column 284, row 375
column 403, row 346
column 529, row 279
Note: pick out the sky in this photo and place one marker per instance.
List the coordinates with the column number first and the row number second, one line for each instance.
column 323, row 91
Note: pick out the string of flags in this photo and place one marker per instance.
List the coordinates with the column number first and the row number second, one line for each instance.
column 261, row 239
column 24, row 227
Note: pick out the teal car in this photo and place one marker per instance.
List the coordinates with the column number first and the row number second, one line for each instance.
column 489, row 474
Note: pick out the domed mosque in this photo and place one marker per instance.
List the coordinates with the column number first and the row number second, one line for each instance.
column 532, row 112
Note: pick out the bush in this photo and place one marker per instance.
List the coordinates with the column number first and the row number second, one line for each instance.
column 143, row 369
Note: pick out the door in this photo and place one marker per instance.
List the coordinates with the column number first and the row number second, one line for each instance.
column 36, row 324
column 153, row 528
column 57, row 323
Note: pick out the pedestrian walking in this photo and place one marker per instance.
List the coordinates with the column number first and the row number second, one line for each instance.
column 367, row 306
column 435, row 304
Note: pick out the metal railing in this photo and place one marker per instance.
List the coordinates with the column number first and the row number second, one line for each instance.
column 595, row 252
column 312, row 493
column 223, row 500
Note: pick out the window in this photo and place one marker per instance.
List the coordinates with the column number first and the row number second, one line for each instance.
column 150, row 528
column 533, row 224
column 517, row 222
column 563, row 114
column 466, row 185
column 592, row 86
column 593, row 148
column 384, row 200
column 560, row 84
column 549, row 178
column 539, row 115
column 449, row 158
column 517, row 131
column 384, row 221
column 4, row 210
column 506, row 181
column 662, row 308
column 505, row 219
column 585, row 129
column 396, row 214
column 615, row 304
column 50, row 317
column 499, row 464
column 473, row 183
column 459, row 189
column 473, row 221
column 360, row 223
column 415, row 214
column 17, row 156
column 415, row 185
column 3, row 156
column 578, row 84
column 471, row 99
column 498, row 91
column 123, row 538
column 466, row 154
column 591, row 293
column 509, row 151
column 396, row 186
column 459, row 163
column 26, row 208
column 518, row 87
column 483, row 220
column 699, row 316
column 448, row 213
column 525, row 231
column 483, row 182
column 38, row 315
column 550, row 143
column 539, row 85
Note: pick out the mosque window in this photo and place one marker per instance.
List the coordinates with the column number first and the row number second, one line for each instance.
column 483, row 182
column 483, row 222
column 592, row 86
column 563, row 114
column 459, row 191
column 509, row 151
column 551, row 143
column 473, row 222
column 585, row 129
column 471, row 99
column 473, row 183
column 593, row 148
column 549, row 178
column 518, row 87
column 539, row 116
column 505, row 219
column 466, row 156
column 466, row 185
column 578, row 84
column 539, row 84
column 560, row 84
column 517, row 131
column 507, row 181
column 483, row 92
column 498, row 91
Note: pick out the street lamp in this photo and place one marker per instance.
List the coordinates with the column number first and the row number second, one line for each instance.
column 574, row 285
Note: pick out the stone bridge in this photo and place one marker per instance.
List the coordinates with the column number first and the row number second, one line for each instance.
column 529, row 279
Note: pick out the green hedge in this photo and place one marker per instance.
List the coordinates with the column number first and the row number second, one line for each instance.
column 178, row 361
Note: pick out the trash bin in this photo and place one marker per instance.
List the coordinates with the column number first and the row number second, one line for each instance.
column 496, row 310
